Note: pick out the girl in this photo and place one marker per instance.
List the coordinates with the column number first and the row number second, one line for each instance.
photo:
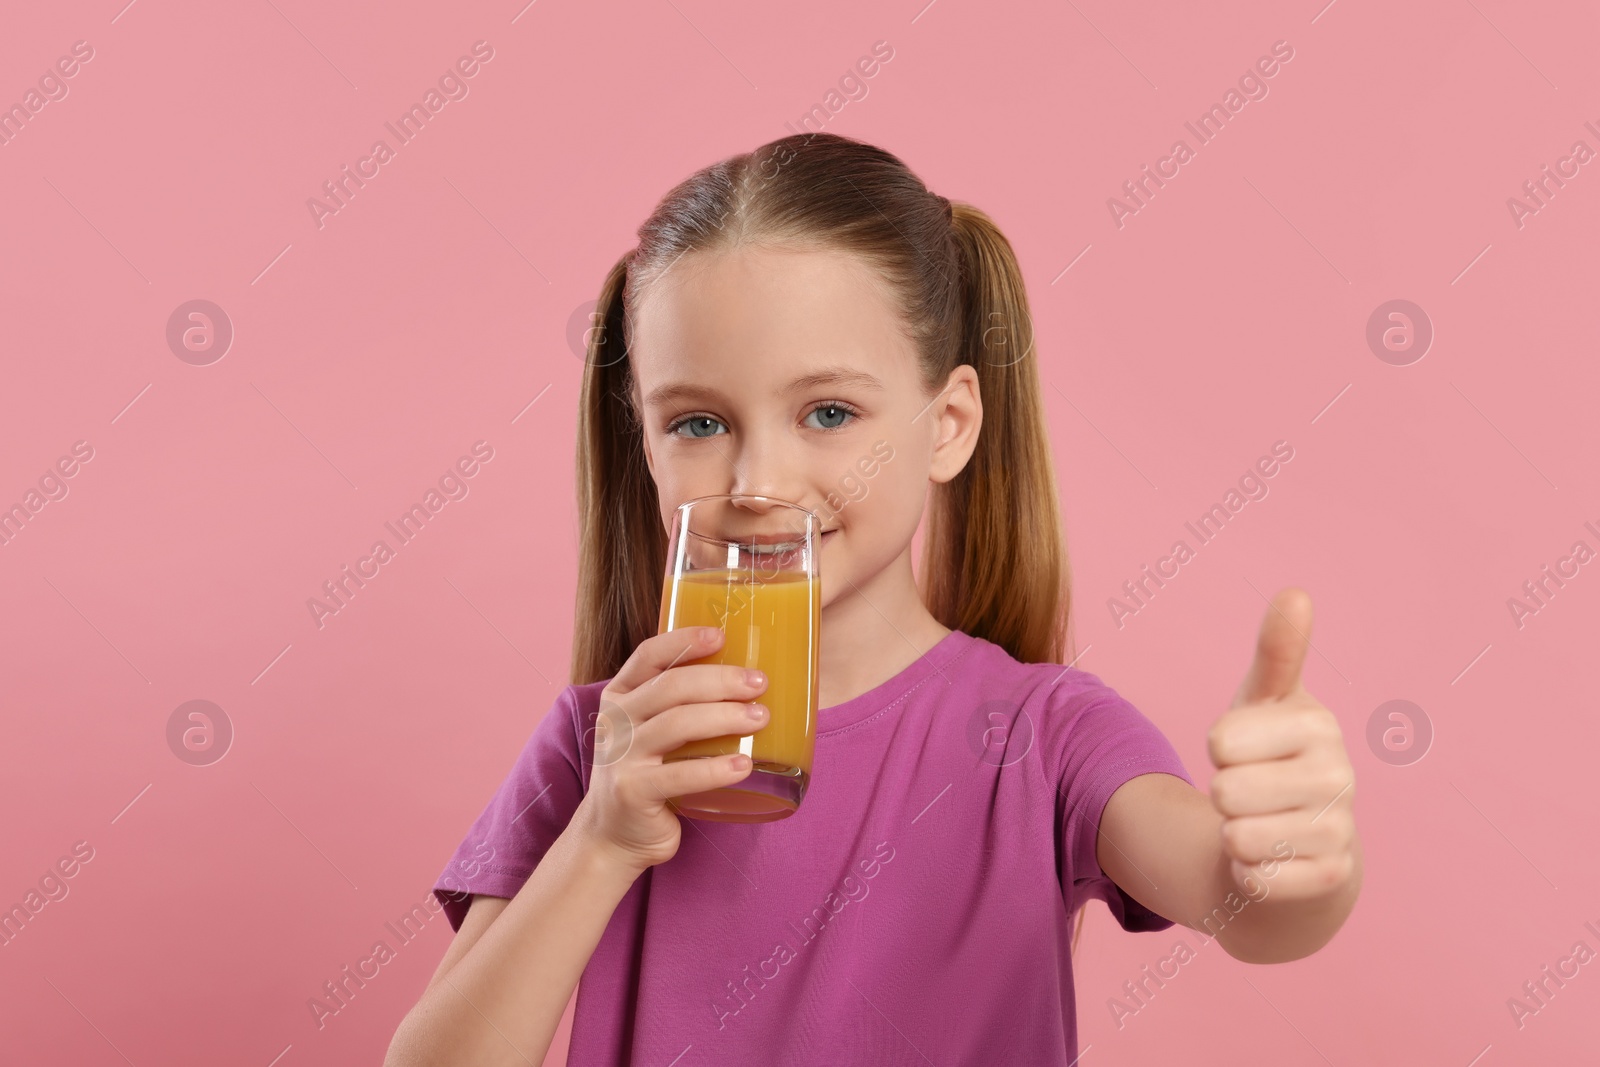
column 809, row 322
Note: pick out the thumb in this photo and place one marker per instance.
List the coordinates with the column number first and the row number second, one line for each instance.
column 1280, row 649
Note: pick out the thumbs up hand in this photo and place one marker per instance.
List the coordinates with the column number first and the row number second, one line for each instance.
column 1284, row 782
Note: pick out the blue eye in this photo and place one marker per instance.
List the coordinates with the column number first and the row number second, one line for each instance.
column 832, row 417
column 695, row 421
column 833, row 411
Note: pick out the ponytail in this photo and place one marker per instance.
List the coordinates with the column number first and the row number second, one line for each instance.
column 622, row 548
column 994, row 559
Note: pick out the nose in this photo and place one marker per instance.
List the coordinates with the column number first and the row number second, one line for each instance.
column 766, row 518
column 765, row 467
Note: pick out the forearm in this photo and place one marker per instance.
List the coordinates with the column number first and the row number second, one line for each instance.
column 1271, row 928
column 501, row 1002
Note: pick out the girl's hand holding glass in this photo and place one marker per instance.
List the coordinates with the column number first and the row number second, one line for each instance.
column 654, row 705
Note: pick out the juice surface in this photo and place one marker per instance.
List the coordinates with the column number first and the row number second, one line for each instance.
column 770, row 624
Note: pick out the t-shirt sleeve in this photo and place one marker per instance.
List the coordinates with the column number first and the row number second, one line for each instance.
column 1107, row 742
column 524, row 817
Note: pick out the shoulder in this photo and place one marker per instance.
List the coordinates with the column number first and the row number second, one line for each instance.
column 1053, row 694
column 566, row 728
column 1072, row 715
column 583, row 699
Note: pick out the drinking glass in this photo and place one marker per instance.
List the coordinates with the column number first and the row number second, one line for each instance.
column 747, row 565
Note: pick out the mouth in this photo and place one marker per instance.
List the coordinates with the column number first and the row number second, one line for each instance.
column 762, row 546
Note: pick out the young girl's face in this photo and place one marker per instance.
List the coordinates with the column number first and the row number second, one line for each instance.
column 784, row 373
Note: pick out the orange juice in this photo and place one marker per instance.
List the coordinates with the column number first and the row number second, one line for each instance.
column 770, row 624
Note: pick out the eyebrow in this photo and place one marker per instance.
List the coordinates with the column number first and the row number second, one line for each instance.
column 838, row 376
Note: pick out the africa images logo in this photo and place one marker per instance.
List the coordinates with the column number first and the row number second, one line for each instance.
column 452, row 85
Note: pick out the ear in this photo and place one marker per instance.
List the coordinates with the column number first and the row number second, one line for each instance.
column 958, row 413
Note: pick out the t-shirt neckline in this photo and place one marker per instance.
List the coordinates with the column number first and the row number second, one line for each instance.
column 841, row 716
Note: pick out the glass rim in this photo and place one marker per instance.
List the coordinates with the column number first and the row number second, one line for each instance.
column 812, row 518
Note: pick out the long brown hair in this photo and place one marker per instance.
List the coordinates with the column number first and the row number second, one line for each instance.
column 994, row 559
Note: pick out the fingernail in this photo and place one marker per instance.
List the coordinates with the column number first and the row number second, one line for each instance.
column 757, row 712
column 709, row 634
column 755, row 677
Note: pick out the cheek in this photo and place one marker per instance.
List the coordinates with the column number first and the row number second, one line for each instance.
column 886, row 506
column 679, row 477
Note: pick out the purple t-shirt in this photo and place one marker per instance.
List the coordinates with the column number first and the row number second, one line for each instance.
column 917, row 907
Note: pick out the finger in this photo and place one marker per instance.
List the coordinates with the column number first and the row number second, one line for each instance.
column 1276, row 785
column 1280, row 649
column 656, row 654
column 695, row 775
column 1268, row 732
column 1260, row 839
column 1301, row 878
column 692, row 683
column 677, row 726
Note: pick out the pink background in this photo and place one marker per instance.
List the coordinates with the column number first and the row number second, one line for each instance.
column 1227, row 314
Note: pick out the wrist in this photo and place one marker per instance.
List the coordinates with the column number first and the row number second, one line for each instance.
column 598, row 854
